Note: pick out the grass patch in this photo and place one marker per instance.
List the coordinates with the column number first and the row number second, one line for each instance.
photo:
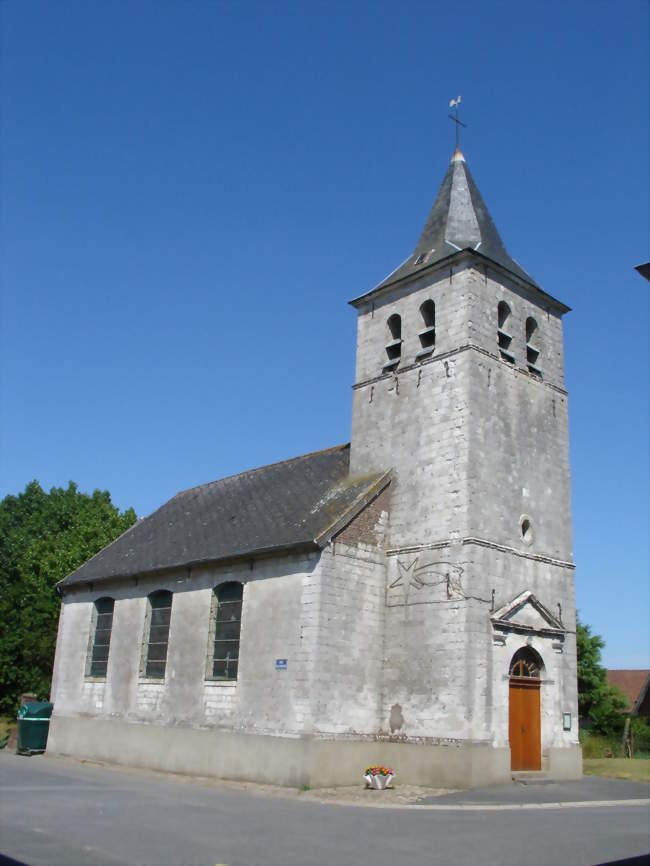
column 634, row 769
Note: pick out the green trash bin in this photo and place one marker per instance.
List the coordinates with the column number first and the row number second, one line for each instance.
column 33, row 727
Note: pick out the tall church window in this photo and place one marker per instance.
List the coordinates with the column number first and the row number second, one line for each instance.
column 504, row 339
column 394, row 344
column 100, row 631
column 160, row 611
column 532, row 347
column 223, row 657
column 428, row 334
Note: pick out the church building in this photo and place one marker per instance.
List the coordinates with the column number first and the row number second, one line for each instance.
column 405, row 599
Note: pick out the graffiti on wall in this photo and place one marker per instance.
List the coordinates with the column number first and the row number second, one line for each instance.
column 423, row 580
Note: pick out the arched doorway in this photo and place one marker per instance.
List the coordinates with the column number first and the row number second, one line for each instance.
column 525, row 729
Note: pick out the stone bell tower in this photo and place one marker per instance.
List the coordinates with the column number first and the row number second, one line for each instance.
column 460, row 389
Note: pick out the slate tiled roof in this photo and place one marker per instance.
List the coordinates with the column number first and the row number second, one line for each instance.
column 633, row 683
column 282, row 506
column 459, row 220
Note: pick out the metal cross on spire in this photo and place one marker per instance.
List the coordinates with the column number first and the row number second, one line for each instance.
column 454, row 103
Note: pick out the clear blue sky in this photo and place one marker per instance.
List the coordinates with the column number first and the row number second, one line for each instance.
column 191, row 192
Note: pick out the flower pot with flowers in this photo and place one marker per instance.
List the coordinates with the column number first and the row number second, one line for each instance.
column 378, row 777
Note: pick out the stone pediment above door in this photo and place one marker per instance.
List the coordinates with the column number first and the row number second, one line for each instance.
column 525, row 614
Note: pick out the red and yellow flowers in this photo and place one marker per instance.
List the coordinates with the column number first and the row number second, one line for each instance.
column 378, row 770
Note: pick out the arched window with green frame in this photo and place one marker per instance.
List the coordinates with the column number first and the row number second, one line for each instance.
column 223, row 656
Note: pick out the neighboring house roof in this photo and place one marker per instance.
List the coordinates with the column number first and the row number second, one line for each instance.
column 633, row 684
column 459, row 220
column 298, row 503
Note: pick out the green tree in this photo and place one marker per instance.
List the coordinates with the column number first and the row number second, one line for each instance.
column 599, row 703
column 43, row 537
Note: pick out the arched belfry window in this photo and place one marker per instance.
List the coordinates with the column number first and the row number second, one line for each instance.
column 223, row 656
column 504, row 339
column 101, row 628
column 526, row 663
column 394, row 344
column 159, row 613
column 532, row 347
column 428, row 334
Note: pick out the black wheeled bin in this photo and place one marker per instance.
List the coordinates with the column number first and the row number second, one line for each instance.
column 33, row 727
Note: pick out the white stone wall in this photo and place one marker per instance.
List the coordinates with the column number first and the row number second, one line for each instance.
column 476, row 444
column 509, row 574
column 518, row 460
column 219, row 702
column 415, row 421
column 270, row 700
column 429, row 679
column 322, row 613
column 446, row 669
column 348, row 660
column 518, row 430
column 68, row 679
column 262, row 699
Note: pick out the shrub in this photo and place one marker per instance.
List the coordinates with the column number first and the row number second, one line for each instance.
column 601, row 705
column 43, row 537
column 641, row 733
column 595, row 745
column 600, row 746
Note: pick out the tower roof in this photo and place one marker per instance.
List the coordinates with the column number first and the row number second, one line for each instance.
column 459, row 220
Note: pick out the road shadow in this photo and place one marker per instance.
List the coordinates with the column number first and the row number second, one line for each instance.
column 641, row 860
column 9, row 861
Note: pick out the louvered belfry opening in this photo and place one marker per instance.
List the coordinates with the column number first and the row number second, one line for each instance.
column 427, row 335
column 394, row 344
column 532, row 347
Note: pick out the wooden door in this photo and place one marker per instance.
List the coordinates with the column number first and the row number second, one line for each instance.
column 524, row 724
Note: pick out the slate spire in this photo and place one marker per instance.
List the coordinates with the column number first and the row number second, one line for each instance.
column 459, row 220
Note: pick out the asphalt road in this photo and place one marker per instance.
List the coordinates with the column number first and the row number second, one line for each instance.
column 588, row 789
column 55, row 813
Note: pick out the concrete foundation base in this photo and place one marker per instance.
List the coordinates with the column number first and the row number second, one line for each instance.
column 294, row 762
column 287, row 761
column 565, row 763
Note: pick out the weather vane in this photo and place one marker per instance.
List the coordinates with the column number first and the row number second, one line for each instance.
column 454, row 103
